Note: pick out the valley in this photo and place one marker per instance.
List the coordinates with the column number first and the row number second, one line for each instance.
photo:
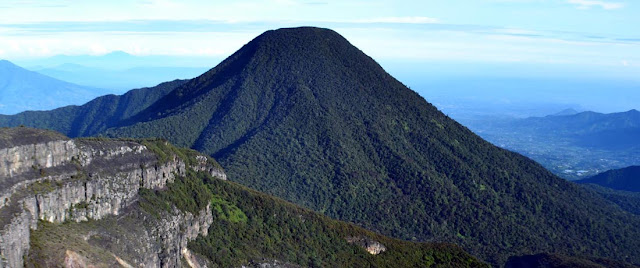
column 574, row 146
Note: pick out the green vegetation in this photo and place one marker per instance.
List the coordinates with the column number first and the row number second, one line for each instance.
column 227, row 211
column 556, row 260
column 186, row 193
column 252, row 226
column 94, row 116
column 166, row 151
column 248, row 227
column 81, row 205
column 44, row 186
column 303, row 115
column 625, row 179
column 629, row 201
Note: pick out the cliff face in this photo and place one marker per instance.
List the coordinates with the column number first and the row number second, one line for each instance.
column 52, row 179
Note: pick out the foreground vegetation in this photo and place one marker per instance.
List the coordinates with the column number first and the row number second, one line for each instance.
column 250, row 227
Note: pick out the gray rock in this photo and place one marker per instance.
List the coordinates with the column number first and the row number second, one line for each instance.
column 63, row 180
column 368, row 244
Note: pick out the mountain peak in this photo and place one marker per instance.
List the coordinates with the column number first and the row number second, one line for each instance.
column 568, row 111
column 282, row 63
column 305, row 34
column 303, row 45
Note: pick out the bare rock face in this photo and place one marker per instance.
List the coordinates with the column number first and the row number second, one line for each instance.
column 370, row 245
column 205, row 165
column 59, row 180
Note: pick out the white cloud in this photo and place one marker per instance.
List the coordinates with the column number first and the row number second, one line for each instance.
column 408, row 20
column 586, row 4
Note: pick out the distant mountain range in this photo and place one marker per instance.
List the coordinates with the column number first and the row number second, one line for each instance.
column 589, row 129
column 304, row 115
column 119, row 79
column 569, row 111
column 118, row 70
column 119, row 60
column 572, row 145
column 22, row 90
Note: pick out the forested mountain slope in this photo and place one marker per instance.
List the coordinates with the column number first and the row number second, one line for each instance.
column 304, row 115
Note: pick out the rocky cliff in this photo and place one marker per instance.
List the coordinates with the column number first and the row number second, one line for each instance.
column 46, row 178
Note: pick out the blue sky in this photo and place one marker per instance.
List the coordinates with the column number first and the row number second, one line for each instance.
column 568, row 35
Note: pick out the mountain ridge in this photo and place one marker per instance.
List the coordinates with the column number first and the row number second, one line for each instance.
column 302, row 114
column 626, row 179
column 94, row 116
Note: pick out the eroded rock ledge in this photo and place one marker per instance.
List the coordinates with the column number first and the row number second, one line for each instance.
column 59, row 180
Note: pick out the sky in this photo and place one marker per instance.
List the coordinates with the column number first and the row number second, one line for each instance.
column 549, row 38
column 586, row 32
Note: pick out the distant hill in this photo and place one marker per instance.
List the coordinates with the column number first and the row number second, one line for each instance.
column 22, row 90
column 589, row 129
column 569, row 111
column 304, row 115
column 115, row 60
column 626, row 179
column 119, row 79
column 573, row 146
column 94, row 116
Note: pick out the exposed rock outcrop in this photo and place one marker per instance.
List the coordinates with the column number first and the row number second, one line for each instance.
column 370, row 245
column 60, row 180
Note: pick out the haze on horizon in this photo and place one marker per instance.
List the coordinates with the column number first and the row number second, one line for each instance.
column 582, row 54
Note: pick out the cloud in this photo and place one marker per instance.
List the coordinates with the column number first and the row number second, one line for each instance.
column 407, row 20
column 586, row 4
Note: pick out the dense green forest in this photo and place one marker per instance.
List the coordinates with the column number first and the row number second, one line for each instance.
column 560, row 261
column 250, row 226
column 626, row 200
column 303, row 115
